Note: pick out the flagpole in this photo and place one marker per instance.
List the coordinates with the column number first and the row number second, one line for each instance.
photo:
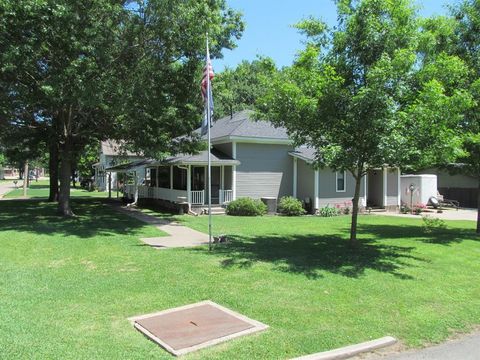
column 209, row 114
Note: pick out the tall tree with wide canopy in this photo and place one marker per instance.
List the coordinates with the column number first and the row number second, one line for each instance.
column 467, row 46
column 239, row 88
column 352, row 92
column 107, row 69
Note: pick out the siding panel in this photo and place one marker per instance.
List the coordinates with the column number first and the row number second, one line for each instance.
column 328, row 187
column 305, row 180
column 265, row 170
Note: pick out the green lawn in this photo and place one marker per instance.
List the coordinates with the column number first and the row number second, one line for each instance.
column 67, row 287
column 40, row 189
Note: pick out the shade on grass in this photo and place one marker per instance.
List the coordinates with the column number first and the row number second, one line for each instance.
column 67, row 286
column 40, row 190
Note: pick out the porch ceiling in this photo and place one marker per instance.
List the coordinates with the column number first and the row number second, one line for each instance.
column 129, row 166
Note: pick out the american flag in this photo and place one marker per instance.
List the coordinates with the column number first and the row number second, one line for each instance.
column 208, row 76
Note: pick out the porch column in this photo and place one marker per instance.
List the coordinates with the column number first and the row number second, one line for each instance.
column 315, row 190
column 189, row 185
column 222, row 177
column 365, row 188
column 109, row 185
column 399, row 201
column 294, row 177
column 234, row 171
column 385, row 186
column 171, row 177
column 156, row 176
column 222, row 185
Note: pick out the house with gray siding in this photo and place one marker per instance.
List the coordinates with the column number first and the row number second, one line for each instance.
column 255, row 159
column 111, row 153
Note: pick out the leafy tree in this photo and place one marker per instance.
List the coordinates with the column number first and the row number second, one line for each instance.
column 355, row 93
column 87, row 159
column 102, row 69
column 239, row 88
column 467, row 46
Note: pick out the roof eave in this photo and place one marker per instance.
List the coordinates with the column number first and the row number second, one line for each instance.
column 252, row 140
column 299, row 156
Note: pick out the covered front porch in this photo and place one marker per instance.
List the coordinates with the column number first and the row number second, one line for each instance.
column 184, row 179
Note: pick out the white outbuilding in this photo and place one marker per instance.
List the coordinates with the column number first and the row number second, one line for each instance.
column 417, row 189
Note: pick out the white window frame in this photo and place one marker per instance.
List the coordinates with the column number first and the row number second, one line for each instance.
column 344, row 181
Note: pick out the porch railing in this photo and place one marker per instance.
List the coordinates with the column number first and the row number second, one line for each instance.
column 197, row 197
column 226, row 196
column 129, row 190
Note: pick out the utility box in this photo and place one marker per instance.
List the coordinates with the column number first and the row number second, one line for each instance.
column 271, row 203
column 417, row 189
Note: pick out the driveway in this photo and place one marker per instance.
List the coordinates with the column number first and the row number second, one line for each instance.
column 447, row 214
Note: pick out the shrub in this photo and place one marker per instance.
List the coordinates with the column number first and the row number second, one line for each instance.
column 246, row 207
column 328, row 211
column 431, row 224
column 405, row 209
column 290, row 206
column 419, row 208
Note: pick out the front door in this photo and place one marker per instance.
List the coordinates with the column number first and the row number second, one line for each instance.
column 215, row 184
column 198, row 178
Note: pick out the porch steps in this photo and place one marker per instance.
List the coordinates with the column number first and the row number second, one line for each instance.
column 377, row 210
column 203, row 210
column 216, row 210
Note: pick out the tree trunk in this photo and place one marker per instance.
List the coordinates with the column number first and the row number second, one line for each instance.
column 478, row 207
column 74, row 181
column 66, row 155
column 25, row 179
column 53, row 170
column 355, row 200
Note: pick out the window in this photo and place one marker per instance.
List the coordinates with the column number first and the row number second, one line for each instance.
column 153, row 178
column 164, row 177
column 340, row 181
column 179, row 178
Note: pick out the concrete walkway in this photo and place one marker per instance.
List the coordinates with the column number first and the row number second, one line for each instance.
column 179, row 235
column 6, row 187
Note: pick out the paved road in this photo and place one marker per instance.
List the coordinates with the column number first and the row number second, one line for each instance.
column 465, row 348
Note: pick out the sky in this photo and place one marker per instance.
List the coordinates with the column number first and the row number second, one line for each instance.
column 269, row 30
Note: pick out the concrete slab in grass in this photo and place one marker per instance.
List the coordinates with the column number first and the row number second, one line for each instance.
column 193, row 327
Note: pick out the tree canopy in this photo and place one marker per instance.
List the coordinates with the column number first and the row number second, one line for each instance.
column 85, row 71
column 239, row 88
column 363, row 95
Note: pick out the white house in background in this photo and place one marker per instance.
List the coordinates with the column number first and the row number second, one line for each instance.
column 111, row 154
column 254, row 159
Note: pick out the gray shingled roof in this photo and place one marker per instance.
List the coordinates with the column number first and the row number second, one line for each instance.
column 129, row 166
column 304, row 153
column 114, row 148
column 242, row 124
column 217, row 158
